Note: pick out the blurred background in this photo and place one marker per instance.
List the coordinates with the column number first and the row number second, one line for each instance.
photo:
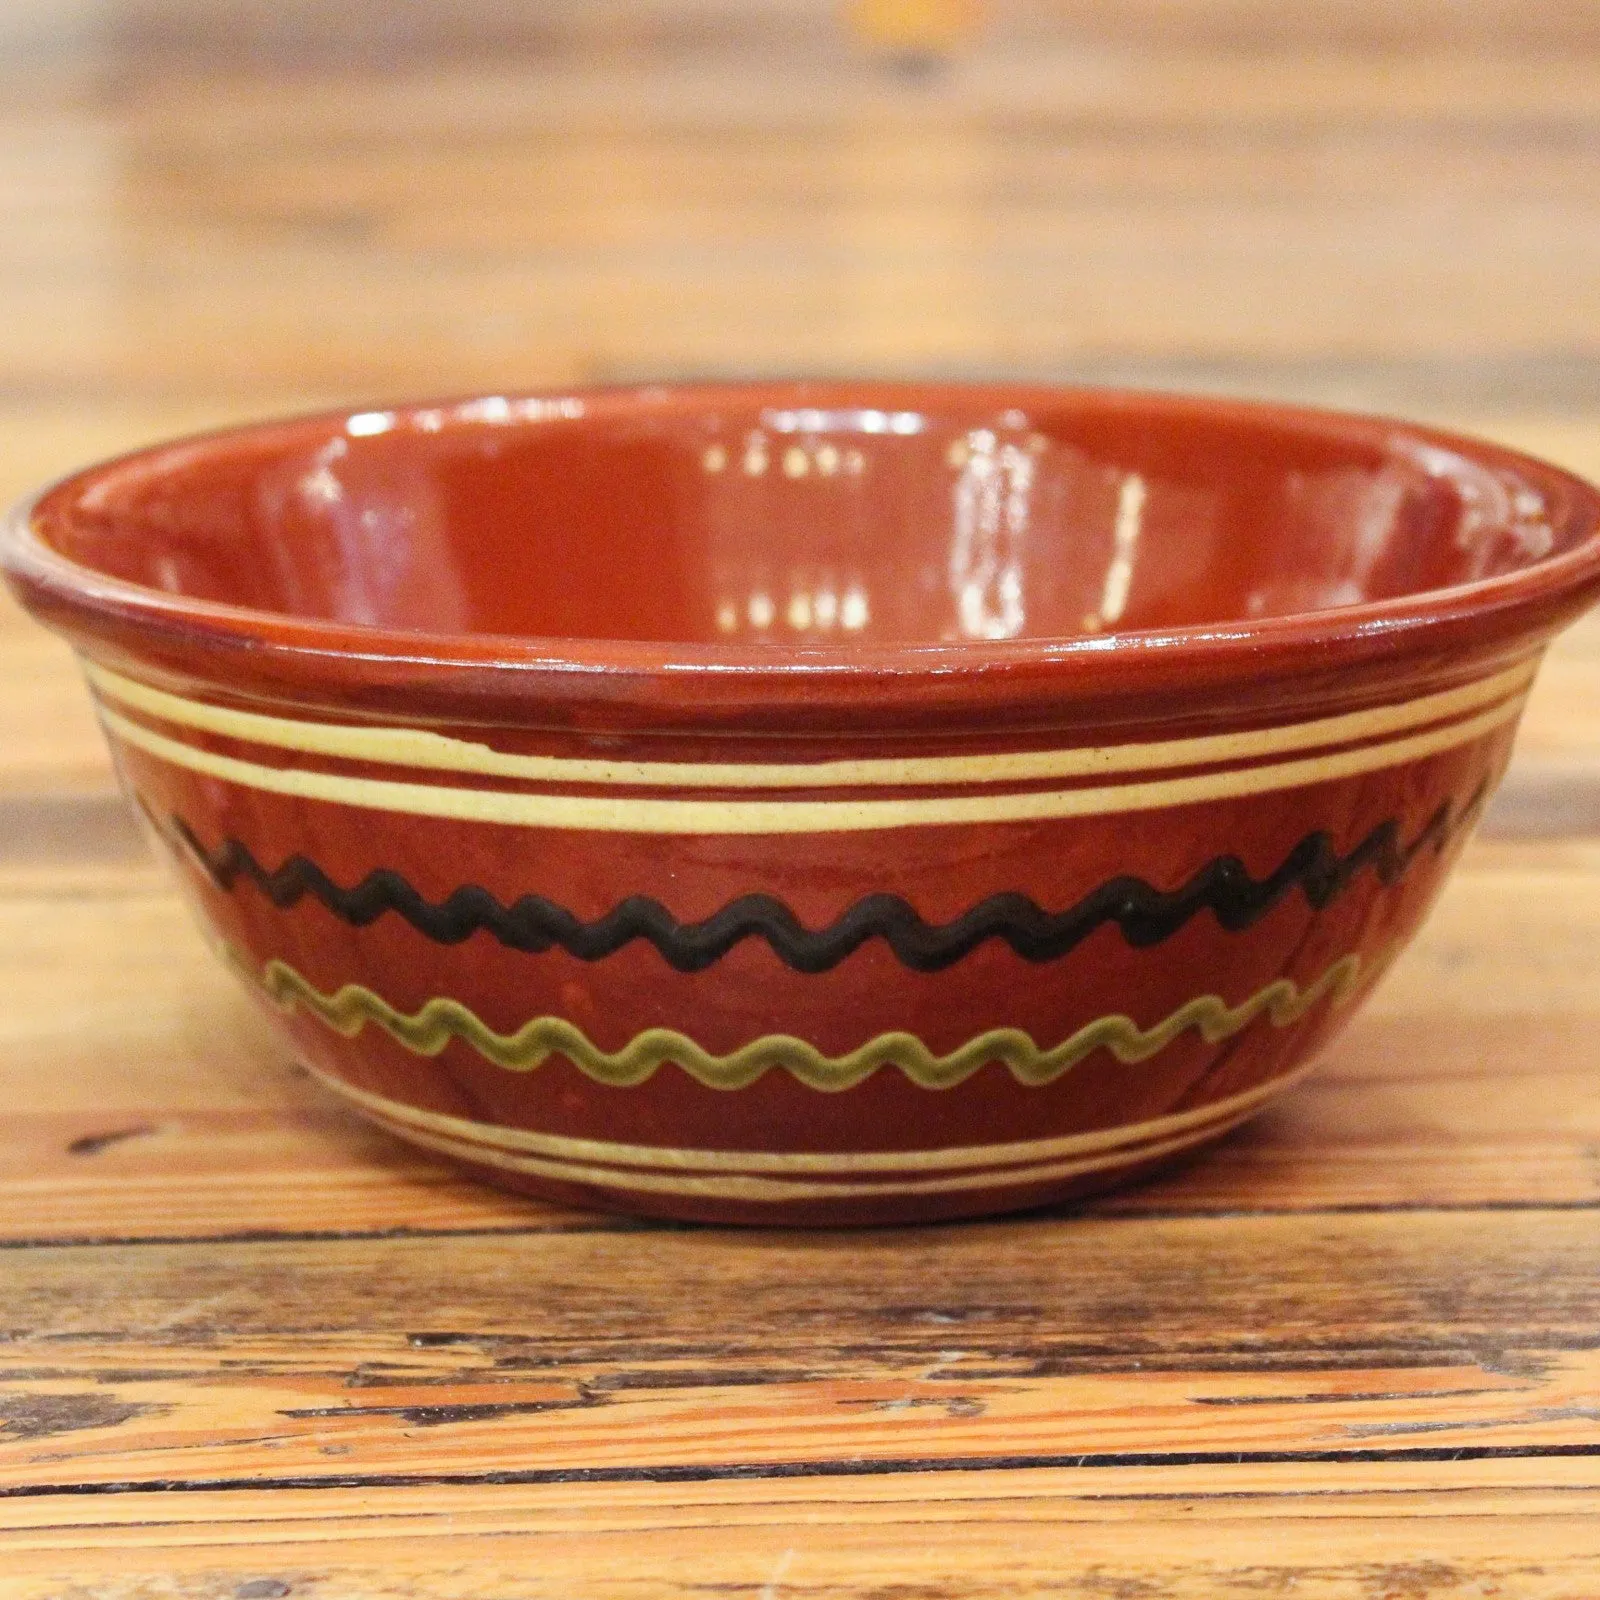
column 215, row 209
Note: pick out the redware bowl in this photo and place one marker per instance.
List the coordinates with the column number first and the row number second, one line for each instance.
column 832, row 802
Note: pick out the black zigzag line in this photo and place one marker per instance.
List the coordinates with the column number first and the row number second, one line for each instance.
column 1145, row 915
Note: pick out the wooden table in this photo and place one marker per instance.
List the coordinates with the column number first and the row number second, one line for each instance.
column 250, row 1348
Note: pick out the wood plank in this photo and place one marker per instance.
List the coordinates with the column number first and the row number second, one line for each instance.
column 569, row 216
column 240, row 34
column 1207, row 1532
column 1335, row 1343
column 1214, row 1532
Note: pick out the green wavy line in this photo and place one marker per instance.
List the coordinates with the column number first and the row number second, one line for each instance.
column 427, row 1031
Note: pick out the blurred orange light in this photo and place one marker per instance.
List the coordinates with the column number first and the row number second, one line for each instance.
column 915, row 27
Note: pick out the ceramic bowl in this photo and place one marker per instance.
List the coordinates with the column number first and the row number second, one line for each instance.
column 837, row 802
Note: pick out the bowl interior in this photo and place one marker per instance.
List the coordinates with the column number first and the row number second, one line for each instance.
column 810, row 514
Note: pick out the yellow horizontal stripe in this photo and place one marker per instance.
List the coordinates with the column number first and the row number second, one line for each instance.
column 428, row 1031
column 633, row 815
column 416, row 747
column 667, row 1158
column 732, row 1187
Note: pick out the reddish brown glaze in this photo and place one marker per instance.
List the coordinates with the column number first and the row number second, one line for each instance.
column 745, row 582
column 149, row 558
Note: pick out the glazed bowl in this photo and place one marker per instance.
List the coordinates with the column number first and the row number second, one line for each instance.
column 808, row 803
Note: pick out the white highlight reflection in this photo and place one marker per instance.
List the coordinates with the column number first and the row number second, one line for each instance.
column 492, row 408
column 500, row 409
column 321, row 486
column 1124, row 549
column 992, row 507
column 807, row 610
column 811, row 419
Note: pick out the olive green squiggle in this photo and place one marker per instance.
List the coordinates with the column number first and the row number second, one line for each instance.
column 349, row 1009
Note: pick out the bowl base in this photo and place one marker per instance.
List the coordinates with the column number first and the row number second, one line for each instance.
column 852, row 1211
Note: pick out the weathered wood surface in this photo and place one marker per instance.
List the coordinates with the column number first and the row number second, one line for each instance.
column 250, row 1348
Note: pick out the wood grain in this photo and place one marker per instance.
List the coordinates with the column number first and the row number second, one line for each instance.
column 1086, row 1533
column 250, row 1347
column 638, row 1355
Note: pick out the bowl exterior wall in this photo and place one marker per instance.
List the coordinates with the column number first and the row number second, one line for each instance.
column 832, row 991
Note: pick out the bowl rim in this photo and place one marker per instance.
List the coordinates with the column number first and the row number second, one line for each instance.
column 260, row 653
